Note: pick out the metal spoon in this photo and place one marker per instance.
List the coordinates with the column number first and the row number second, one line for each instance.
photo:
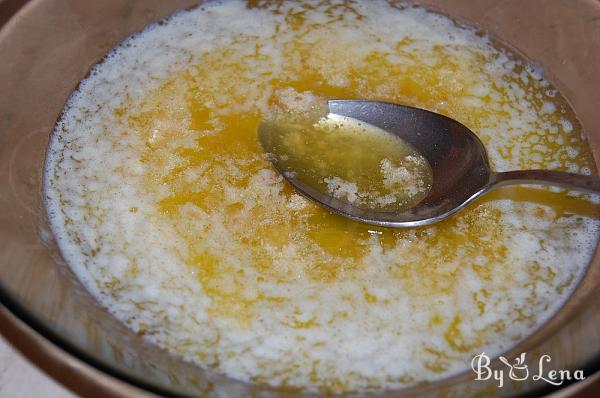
column 461, row 172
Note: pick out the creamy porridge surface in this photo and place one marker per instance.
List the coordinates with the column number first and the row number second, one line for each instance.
column 168, row 211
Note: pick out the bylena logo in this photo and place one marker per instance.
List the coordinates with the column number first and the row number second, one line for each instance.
column 519, row 370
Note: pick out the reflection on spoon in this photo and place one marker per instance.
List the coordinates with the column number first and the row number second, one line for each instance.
column 451, row 172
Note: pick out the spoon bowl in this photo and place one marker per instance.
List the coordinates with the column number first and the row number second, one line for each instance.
column 458, row 159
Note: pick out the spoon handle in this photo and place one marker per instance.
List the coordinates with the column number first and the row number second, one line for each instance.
column 548, row 177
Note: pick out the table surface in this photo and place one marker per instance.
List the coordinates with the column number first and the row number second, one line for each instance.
column 19, row 378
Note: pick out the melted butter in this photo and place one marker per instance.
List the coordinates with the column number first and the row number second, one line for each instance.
column 226, row 150
column 562, row 204
column 350, row 160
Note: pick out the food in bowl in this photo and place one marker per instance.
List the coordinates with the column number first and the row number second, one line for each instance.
column 167, row 209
